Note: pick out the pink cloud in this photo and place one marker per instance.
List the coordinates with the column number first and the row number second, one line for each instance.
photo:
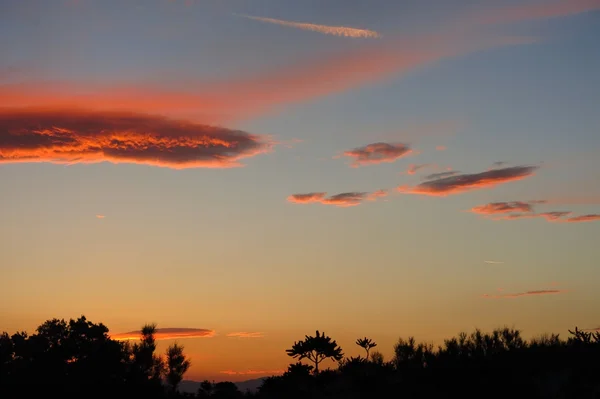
column 466, row 182
column 413, row 168
column 377, row 153
column 340, row 200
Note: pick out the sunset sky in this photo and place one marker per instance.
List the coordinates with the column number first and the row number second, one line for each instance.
column 244, row 172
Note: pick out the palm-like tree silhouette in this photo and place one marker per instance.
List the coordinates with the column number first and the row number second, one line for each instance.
column 316, row 349
column 367, row 344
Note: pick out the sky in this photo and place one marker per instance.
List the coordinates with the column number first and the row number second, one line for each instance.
column 245, row 172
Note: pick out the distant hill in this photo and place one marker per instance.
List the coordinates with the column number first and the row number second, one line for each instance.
column 248, row 385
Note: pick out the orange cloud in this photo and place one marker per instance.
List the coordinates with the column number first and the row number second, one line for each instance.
column 549, row 216
column 244, row 334
column 167, row 333
column 502, row 207
column 341, row 200
column 583, row 218
column 252, row 372
column 527, row 293
column 377, row 153
column 441, row 148
column 326, row 29
column 77, row 136
column 466, row 182
column 413, row 168
column 215, row 101
column 542, row 10
column 97, row 216
column 375, row 195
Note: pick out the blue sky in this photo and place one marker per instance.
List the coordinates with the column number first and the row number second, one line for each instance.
column 224, row 248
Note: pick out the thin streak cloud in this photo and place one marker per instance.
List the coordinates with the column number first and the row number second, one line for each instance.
column 252, row 372
column 466, row 182
column 167, row 333
column 244, row 334
column 342, row 200
column 343, row 31
column 493, row 262
column 100, row 216
column 527, row 293
column 376, row 153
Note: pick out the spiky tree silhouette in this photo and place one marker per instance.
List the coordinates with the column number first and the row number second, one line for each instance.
column 316, row 349
column 367, row 344
column 176, row 365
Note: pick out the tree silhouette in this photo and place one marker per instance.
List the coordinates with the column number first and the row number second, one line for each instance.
column 316, row 349
column 367, row 344
column 176, row 365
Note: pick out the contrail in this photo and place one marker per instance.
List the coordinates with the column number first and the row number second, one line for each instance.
column 328, row 30
column 493, row 262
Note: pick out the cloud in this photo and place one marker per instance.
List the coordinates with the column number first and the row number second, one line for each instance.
column 252, row 372
column 377, row 153
column 549, row 216
column 77, row 136
column 375, row 195
column 244, row 334
column 341, row 200
column 328, row 30
column 215, row 101
column 583, row 218
column 439, row 175
column 441, row 148
column 466, row 182
column 493, row 262
column 100, row 216
column 413, row 168
column 502, row 207
column 167, row 333
column 525, row 12
column 527, row 293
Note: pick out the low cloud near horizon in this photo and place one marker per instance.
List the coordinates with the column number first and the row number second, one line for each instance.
column 167, row 333
column 526, row 293
column 244, row 334
column 252, row 372
column 77, row 136
column 456, row 184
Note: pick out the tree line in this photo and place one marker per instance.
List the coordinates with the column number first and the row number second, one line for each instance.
column 78, row 359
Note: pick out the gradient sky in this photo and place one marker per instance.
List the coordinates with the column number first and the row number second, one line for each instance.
column 180, row 162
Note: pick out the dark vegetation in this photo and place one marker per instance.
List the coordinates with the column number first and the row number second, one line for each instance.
column 77, row 359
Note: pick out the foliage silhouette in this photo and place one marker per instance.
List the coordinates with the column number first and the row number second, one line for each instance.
column 316, row 349
column 367, row 344
column 78, row 359
column 176, row 365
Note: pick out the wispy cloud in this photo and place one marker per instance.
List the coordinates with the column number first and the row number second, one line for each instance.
column 244, row 334
column 441, row 148
column 414, row 168
column 326, row 29
column 341, row 200
column 502, row 207
column 529, row 11
column 100, row 216
column 466, row 182
column 515, row 210
column 440, row 175
column 375, row 195
column 493, row 262
column 377, row 153
column 68, row 136
column 167, row 333
column 216, row 101
column 252, row 372
column 527, row 293
column 583, row 218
